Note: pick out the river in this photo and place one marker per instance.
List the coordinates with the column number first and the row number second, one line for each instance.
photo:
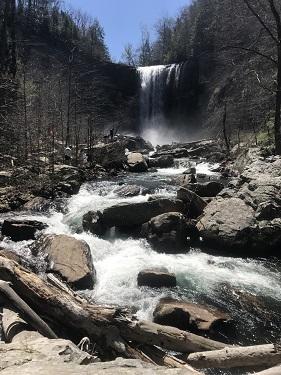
column 249, row 289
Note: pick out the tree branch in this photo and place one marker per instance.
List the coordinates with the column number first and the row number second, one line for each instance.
column 258, row 17
column 256, row 52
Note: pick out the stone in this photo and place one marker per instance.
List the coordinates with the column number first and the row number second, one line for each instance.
column 191, row 317
column 37, row 204
column 157, row 278
column 68, row 257
column 118, row 367
column 165, row 161
column 206, row 189
column 167, row 232
column 225, row 223
column 128, row 191
column 137, row 162
column 195, row 203
column 132, row 214
column 21, row 230
column 9, row 254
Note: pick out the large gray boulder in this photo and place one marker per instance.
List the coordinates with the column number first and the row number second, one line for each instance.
column 226, row 222
column 167, row 232
column 205, row 189
column 245, row 218
column 137, row 162
column 157, row 278
column 130, row 214
column 190, row 316
column 68, row 257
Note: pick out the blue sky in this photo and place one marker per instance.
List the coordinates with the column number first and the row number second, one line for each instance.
column 123, row 19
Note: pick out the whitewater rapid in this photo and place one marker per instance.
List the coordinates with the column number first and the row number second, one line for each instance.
column 200, row 276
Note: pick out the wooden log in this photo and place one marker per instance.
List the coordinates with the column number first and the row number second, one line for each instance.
column 168, row 337
column 12, row 324
column 161, row 358
column 258, row 356
column 30, row 316
column 271, row 371
column 95, row 321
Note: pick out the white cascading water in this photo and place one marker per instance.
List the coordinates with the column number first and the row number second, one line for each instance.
column 118, row 261
column 154, row 82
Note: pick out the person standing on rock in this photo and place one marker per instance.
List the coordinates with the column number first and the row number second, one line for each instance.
column 111, row 134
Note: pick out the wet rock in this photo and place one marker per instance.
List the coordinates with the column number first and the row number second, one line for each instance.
column 190, row 317
column 68, row 257
column 9, row 254
column 128, row 191
column 38, row 204
column 137, row 162
column 167, row 232
column 157, row 278
column 194, row 203
column 21, row 230
column 92, row 222
column 165, row 161
column 135, row 214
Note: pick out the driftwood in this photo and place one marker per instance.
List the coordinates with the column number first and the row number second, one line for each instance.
column 258, row 356
column 97, row 322
column 30, row 316
column 168, row 337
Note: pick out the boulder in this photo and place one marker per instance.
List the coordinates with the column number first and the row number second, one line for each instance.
column 157, row 278
column 191, row 317
column 37, row 204
column 118, row 367
column 68, row 257
column 195, row 203
column 128, row 191
column 21, row 230
column 137, row 162
column 167, row 232
column 206, row 189
column 165, row 161
column 130, row 214
column 226, row 223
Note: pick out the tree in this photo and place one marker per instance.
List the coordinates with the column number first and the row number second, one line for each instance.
column 144, row 51
column 268, row 15
column 129, row 56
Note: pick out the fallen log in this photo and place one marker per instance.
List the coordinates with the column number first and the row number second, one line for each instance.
column 258, row 356
column 30, row 316
column 95, row 321
column 167, row 337
column 161, row 358
column 271, row 371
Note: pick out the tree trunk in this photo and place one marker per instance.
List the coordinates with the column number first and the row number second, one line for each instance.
column 107, row 324
column 167, row 337
column 251, row 356
column 277, row 122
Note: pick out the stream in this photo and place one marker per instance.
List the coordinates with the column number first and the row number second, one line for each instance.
column 248, row 289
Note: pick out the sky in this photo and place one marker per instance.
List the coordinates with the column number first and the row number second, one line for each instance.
column 122, row 20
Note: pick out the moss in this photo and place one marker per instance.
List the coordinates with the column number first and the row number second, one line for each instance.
column 265, row 136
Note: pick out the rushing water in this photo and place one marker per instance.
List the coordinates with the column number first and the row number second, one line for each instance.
column 155, row 80
column 248, row 289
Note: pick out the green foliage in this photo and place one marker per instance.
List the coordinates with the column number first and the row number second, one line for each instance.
column 265, row 136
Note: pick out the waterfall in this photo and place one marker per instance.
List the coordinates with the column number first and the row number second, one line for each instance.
column 156, row 82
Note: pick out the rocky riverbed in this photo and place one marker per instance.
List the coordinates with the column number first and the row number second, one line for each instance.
column 181, row 235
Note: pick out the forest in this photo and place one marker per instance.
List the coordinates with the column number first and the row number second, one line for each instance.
column 140, row 199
